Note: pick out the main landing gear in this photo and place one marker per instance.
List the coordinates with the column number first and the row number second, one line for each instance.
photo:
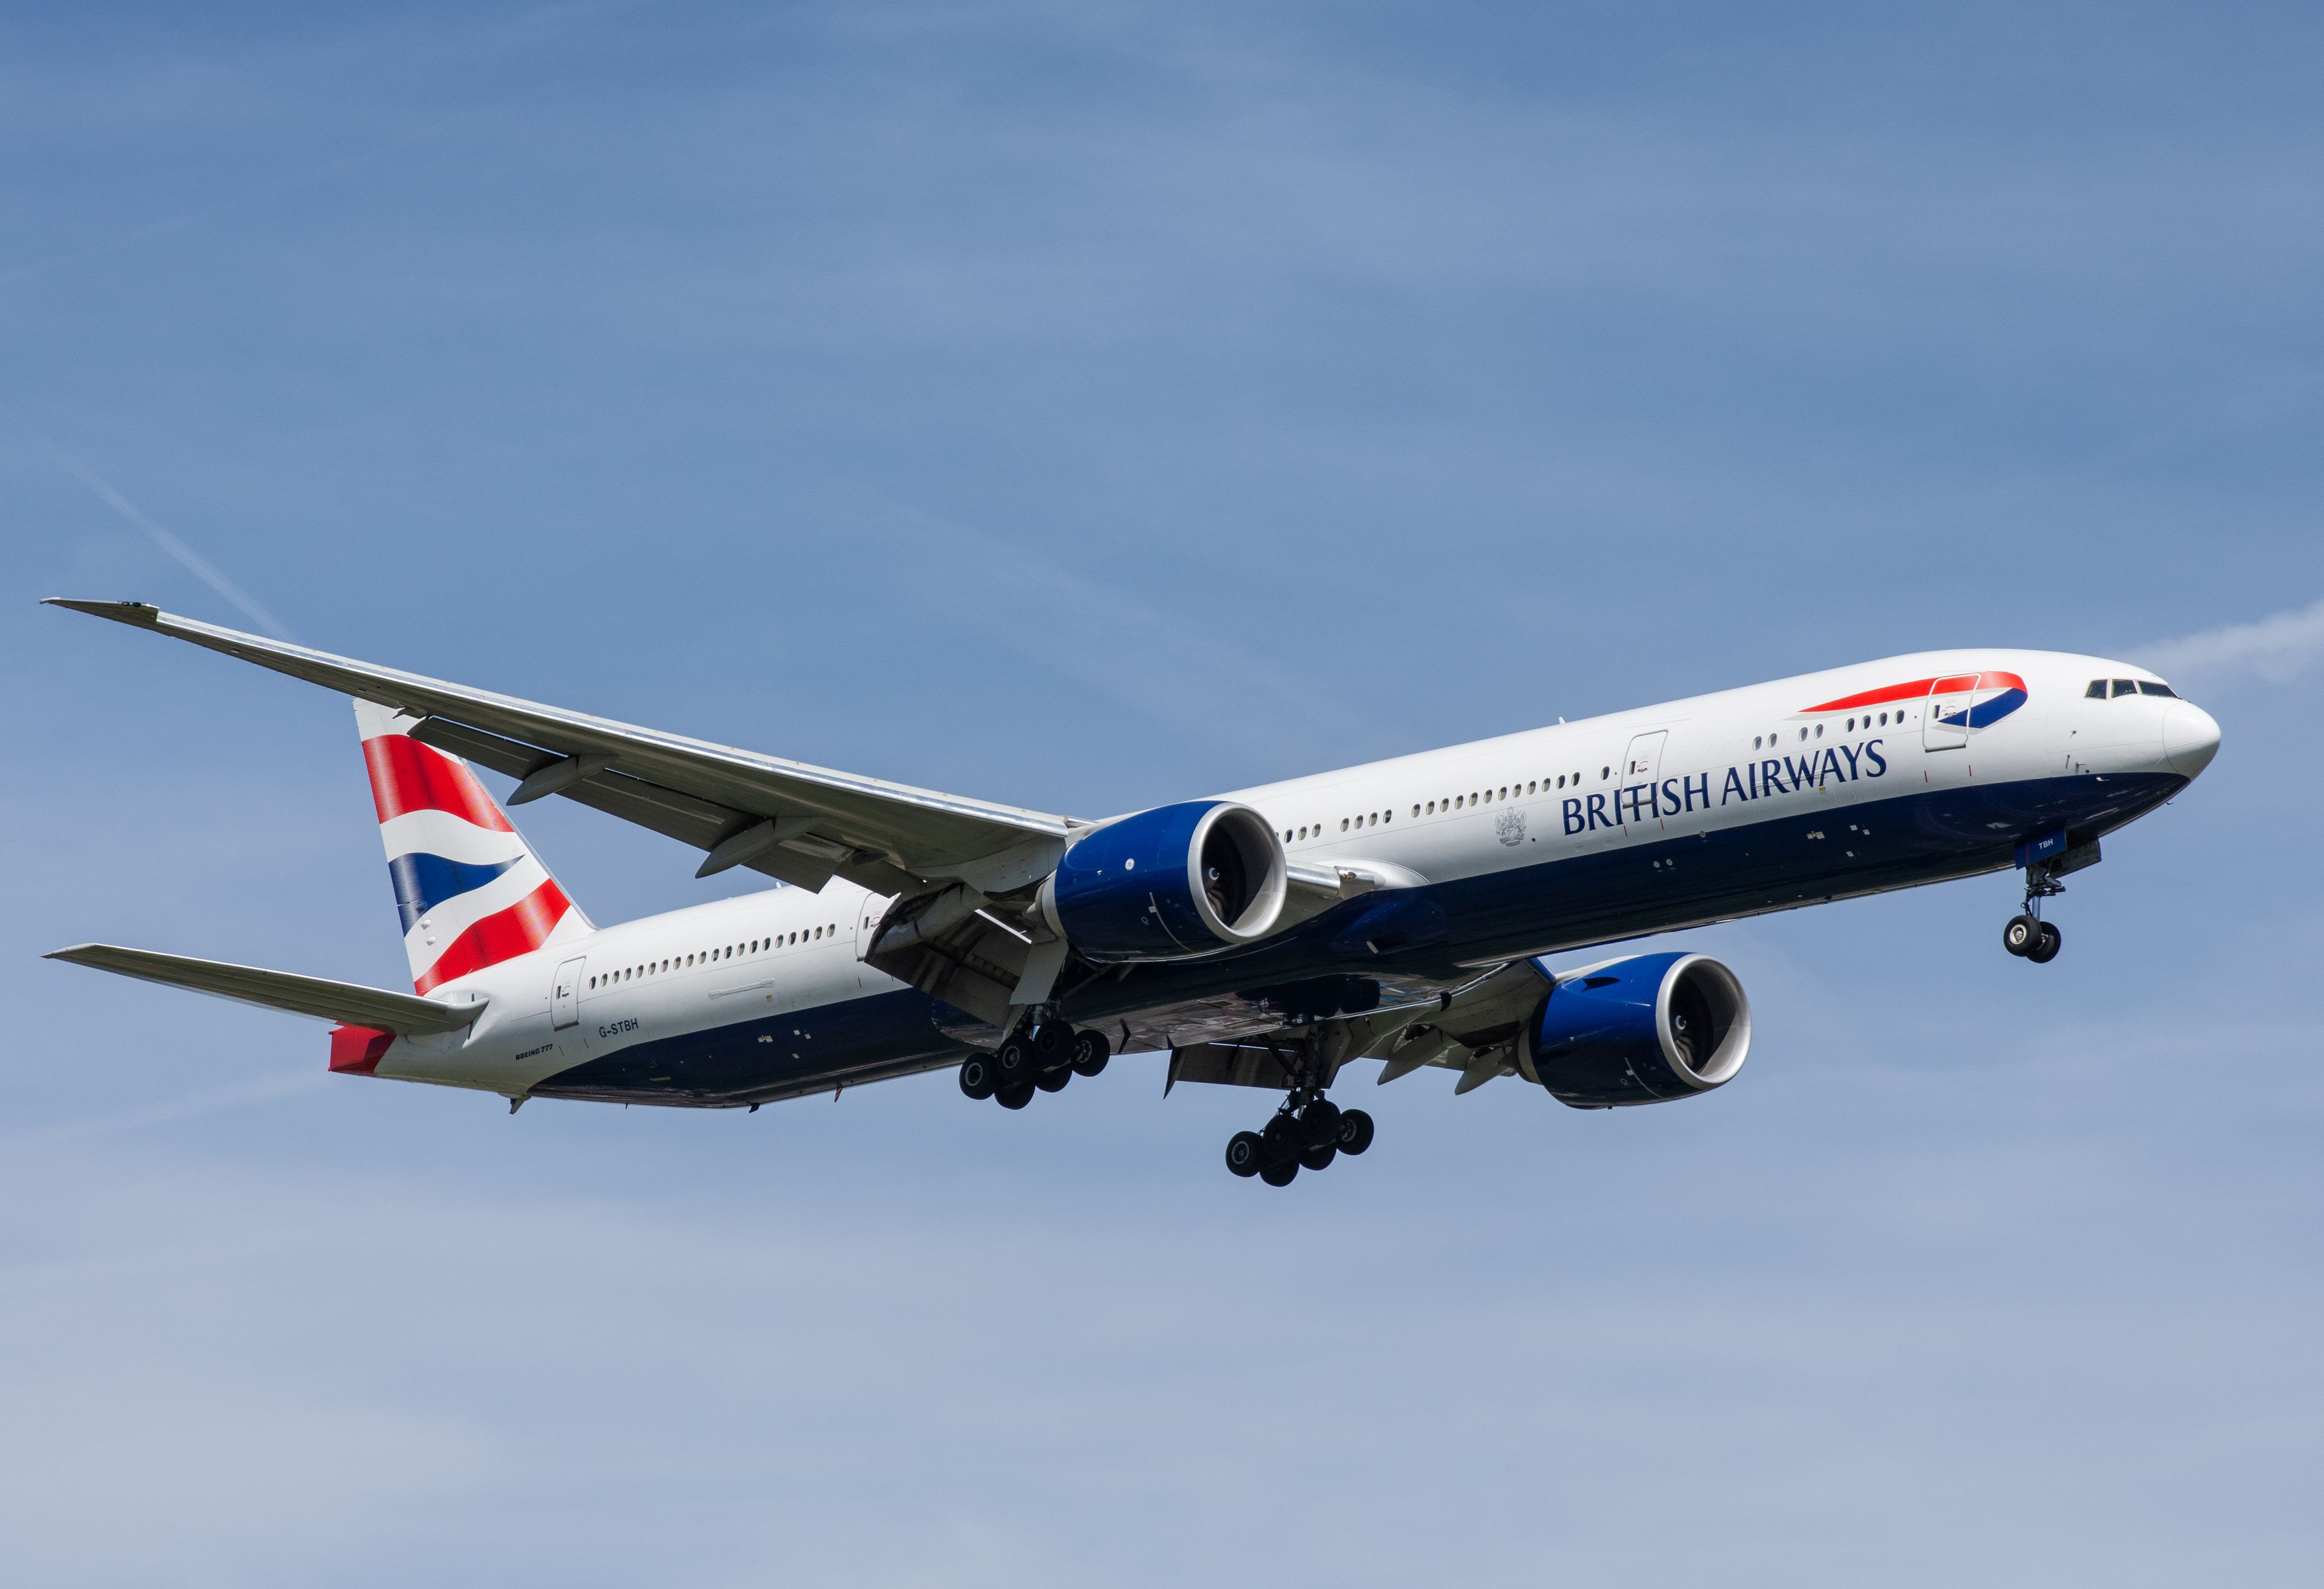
column 1042, row 1058
column 2025, row 935
column 1308, row 1133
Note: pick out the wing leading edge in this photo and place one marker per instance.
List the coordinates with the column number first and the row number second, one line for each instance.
column 787, row 819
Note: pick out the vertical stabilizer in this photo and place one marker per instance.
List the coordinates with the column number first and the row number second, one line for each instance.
column 470, row 890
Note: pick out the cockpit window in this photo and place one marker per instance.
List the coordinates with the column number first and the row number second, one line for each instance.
column 2122, row 687
column 2096, row 691
column 2149, row 687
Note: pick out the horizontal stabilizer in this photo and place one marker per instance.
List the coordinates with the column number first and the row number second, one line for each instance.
column 350, row 1004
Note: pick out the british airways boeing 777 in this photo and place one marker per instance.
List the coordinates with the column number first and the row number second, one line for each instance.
column 1404, row 911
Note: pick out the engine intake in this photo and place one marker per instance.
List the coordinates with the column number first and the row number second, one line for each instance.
column 1643, row 1031
column 1165, row 884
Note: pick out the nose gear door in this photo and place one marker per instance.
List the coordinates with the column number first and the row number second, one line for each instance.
column 1638, row 798
column 1947, row 726
column 565, row 1000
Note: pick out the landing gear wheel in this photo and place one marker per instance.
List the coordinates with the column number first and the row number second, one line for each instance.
column 2021, row 935
column 1244, row 1150
column 1321, row 1122
column 1013, row 1065
column 1355, row 1132
column 1015, row 1097
column 976, row 1078
column 1282, row 1142
column 1090, row 1052
column 1053, row 1045
column 1319, row 1158
column 1054, row 1081
column 1280, row 1175
column 2046, row 949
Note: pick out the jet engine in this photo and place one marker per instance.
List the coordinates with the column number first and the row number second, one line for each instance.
column 1641, row 1030
column 1165, row 884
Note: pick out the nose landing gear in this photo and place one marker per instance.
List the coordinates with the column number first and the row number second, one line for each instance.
column 2025, row 935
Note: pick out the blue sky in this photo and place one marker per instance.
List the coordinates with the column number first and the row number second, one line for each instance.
column 1088, row 406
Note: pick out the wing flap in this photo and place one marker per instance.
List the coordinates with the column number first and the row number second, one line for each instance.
column 347, row 1002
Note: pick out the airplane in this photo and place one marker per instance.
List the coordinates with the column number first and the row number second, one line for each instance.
column 1404, row 911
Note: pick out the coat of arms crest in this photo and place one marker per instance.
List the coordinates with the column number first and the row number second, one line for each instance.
column 1510, row 824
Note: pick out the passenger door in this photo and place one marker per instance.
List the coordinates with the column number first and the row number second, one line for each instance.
column 1638, row 803
column 1948, row 698
column 565, row 999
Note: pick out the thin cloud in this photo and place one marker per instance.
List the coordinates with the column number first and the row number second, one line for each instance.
column 193, row 562
column 2277, row 648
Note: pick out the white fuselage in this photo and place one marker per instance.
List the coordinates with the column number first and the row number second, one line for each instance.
column 1640, row 778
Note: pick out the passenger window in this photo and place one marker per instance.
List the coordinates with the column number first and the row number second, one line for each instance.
column 2122, row 687
column 2145, row 688
column 2096, row 691
column 1818, row 732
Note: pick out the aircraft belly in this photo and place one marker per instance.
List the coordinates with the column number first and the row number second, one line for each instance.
column 1801, row 857
column 842, row 1042
column 1598, row 896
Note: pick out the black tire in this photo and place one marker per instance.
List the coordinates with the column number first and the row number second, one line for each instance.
column 1014, row 1097
column 1244, row 1150
column 1053, row 1045
column 2045, row 951
column 976, row 1078
column 2020, row 934
column 1054, row 1081
column 1283, row 1140
column 1013, row 1065
column 1319, row 1158
column 1355, row 1132
column 1090, row 1052
column 1321, row 1122
column 1280, row 1175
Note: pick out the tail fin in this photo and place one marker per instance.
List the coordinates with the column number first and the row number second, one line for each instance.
column 471, row 891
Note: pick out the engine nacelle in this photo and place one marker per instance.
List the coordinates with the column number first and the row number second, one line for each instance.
column 1168, row 883
column 1641, row 1030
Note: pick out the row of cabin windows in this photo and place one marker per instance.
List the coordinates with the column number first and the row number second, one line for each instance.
column 1452, row 803
column 681, row 962
column 1760, row 741
column 2122, row 687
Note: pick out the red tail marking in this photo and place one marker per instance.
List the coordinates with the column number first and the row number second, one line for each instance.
column 355, row 1050
column 503, row 934
column 409, row 776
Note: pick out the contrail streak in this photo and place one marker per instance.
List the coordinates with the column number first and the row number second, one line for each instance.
column 2277, row 648
column 193, row 561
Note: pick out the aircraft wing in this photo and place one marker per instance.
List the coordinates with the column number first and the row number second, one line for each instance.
column 347, row 1002
column 787, row 819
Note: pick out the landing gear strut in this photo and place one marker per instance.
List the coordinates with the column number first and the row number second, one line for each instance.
column 1308, row 1133
column 1041, row 1057
column 2025, row 935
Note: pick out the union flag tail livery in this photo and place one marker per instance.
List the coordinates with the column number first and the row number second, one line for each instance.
column 470, row 890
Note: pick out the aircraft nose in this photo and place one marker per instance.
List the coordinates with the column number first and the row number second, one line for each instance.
column 2190, row 737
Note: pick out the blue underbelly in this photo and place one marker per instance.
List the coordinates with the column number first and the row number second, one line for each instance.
column 1642, row 887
